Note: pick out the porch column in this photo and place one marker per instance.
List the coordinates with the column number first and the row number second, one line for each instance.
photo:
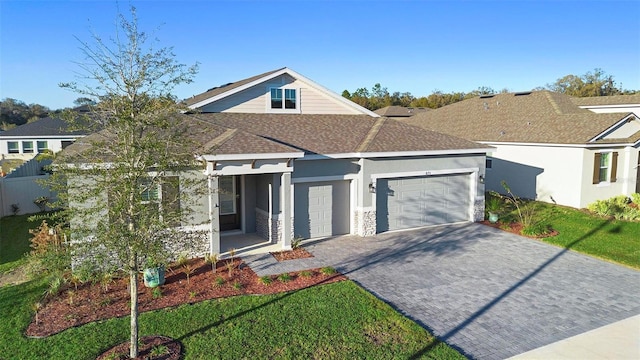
column 214, row 215
column 286, row 213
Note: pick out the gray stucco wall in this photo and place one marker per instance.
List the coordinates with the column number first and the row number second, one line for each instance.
column 329, row 167
column 434, row 163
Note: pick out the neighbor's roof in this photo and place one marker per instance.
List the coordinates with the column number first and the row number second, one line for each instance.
column 607, row 100
column 49, row 126
column 399, row 111
column 333, row 134
column 529, row 117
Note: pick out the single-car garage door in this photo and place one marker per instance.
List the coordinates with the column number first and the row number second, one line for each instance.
column 406, row 203
column 321, row 209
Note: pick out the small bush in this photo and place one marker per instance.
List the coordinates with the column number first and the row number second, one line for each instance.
column 158, row 351
column 306, row 273
column 265, row 280
column 296, row 243
column 237, row 285
column 536, row 230
column 617, row 207
column 156, row 292
column 635, row 198
column 218, row 282
column 328, row 270
column 284, row 278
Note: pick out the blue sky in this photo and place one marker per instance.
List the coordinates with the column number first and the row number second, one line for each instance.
column 414, row 46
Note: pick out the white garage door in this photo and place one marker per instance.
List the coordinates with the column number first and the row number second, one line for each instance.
column 421, row 201
column 321, row 209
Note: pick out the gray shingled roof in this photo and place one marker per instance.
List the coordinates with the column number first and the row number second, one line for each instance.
column 207, row 138
column 49, row 126
column 224, row 88
column 532, row 117
column 335, row 134
column 607, row 100
column 399, row 111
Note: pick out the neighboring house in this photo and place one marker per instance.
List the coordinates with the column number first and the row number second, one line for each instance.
column 284, row 157
column 610, row 104
column 26, row 141
column 399, row 112
column 548, row 145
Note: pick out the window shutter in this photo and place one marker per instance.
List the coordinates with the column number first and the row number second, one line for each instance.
column 171, row 199
column 614, row 166
column 596, row 167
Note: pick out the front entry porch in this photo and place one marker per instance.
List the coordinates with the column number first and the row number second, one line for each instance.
column 245, row 244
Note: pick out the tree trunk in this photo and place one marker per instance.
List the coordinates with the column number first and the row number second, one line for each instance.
column 133, row 286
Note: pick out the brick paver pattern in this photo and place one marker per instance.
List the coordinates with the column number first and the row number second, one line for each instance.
column 489, row 293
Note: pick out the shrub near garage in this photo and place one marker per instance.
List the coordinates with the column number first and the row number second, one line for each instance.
column 619, row 207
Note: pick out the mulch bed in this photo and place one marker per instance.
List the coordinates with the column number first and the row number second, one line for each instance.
column 173, row 349
column 88, row 303
column 516, row 228
column 297, row 253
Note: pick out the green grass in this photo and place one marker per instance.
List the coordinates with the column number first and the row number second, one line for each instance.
column 14, row 239
column 608, row 239
column 338, row 320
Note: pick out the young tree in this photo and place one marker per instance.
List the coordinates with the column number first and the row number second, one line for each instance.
column 139, row 144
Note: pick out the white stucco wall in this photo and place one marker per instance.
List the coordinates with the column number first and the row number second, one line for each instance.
column 560, row 174
column 53, row 144
column 626, row 176
column 538, row 172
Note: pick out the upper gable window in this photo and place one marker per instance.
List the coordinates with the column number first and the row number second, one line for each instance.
column 284, row 100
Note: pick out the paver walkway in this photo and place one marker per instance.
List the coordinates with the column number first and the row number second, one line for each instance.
column 489, row 293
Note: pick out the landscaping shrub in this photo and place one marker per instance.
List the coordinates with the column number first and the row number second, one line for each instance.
column 617, row 207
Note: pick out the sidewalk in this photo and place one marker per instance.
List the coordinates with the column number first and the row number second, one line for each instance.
column 620, row 341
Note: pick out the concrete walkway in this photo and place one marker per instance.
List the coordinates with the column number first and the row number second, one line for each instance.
column 489, row 293
column 620, row 340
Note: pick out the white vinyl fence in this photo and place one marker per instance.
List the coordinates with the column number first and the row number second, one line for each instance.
column 21, row 192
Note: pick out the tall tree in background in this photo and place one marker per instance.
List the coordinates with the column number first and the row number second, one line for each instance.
column 596, row 83
column 15, row 113
column 138, row 146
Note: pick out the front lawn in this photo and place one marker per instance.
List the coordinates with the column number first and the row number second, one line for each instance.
column 579, row 230
column 609, row 239
column 338, row 320
column 14, row 240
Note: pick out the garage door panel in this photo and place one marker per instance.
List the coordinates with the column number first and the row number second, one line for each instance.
column 321, row 209
column 414, row 202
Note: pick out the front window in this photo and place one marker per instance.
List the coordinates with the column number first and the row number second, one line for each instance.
column 27, row 147
column 289, row 98
column 276, row 98
column 13, row 147
column 605, row 165
column 42, row 146
column 283, row 99
column 148, row 192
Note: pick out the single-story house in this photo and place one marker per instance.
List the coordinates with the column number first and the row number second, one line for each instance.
column 610, row 104
column 286, row 158
column 550, row 146
column 28, row 140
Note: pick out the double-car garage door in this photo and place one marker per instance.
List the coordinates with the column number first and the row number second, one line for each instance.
column 412, row 202
column 321, row 209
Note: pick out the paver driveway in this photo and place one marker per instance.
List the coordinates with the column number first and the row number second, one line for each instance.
column 489, row 293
